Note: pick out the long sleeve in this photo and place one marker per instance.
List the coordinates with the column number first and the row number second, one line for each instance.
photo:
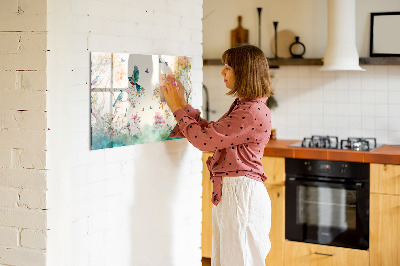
column 231, row 130
column 193, row 113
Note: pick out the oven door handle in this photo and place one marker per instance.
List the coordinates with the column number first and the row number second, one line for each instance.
column 357, row 185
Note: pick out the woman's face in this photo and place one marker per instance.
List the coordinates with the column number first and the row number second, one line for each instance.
column 229, row 76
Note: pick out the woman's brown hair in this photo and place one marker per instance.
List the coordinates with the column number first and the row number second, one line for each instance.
column 250, row 66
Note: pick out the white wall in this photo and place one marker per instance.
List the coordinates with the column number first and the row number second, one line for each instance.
column 23, row 133
column 311, row 102
column 306, row 19
column 135, row 205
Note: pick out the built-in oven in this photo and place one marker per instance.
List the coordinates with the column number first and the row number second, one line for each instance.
column 327, row 202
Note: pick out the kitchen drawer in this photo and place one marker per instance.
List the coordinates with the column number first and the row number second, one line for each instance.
column 305, row 254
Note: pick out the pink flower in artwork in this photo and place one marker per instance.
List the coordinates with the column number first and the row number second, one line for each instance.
column 134, row 125
column 159, row 120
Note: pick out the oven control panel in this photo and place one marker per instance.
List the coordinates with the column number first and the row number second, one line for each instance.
column 337, row 169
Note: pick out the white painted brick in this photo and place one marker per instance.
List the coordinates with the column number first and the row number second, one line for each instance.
column 30, row 61
column 33, row 7
column 20, row 217
column 21, row 139
column 33, row 239
column 17, row 256
column 8, row 197
column 33, row 199
column 5, row 158
column 7, row 80
column 33, row 159
column 30, row 80
column 33, row 120
column 23, row 100
column 23, row 22
column 8, row 237
column 23, row 178
column 9, row 42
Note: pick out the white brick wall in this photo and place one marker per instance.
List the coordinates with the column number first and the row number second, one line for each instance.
column 136, row 205
column 23, row 132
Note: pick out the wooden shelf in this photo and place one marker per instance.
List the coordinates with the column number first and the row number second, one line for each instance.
column 380, row 61
column 274, row 63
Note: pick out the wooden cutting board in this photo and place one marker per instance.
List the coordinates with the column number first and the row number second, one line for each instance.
column 239, row 35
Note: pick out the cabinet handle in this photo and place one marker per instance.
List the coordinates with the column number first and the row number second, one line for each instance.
column 324, row 254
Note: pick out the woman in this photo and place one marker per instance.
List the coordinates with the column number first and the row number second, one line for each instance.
column 242, row 208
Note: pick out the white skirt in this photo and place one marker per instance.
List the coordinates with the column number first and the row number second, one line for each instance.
column 241, row 223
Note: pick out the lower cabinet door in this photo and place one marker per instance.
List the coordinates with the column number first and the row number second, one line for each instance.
column 277, row 233
column 299, row 254
column 384, row 226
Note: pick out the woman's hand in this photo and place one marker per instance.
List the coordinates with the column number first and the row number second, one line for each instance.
column 174, row 93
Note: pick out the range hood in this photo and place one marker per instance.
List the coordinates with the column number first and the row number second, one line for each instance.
column 341, row 51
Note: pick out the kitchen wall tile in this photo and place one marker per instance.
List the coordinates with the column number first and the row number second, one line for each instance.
column 342, row 109
column 342, row 80
column 381, row 97
column 381, row 110
column 394, row 83
column 342, row 122
column 394, row 97
column 304, row 72
column 355, row 109
column 381, row 136
column 303, row 82
column 329, row 93
column 380, row 71
column 394, row 123
column 355, row 96
column 329, row 122
column 382, row 123
column 394, row 110
column 367, row 110
column 394, row 71
column 367, row 82
column 354, row 80
column 315, row 72
column 380, row 84
column 355, row 132
column 354, row 122
column 367, row 96
column 367, row 133
column 328, row 74
column 329, row 109
column 394, row 137
column 292, row 82
column 342, row 96
column 291, row 71
column 368, row 122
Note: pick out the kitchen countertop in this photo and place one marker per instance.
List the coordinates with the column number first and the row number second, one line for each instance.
column 389, row 154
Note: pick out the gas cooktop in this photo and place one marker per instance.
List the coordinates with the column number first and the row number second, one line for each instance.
column 332, row 142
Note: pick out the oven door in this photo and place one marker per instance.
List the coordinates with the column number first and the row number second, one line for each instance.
column 327, row 213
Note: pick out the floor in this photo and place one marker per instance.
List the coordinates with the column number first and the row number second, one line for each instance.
column 206, row 261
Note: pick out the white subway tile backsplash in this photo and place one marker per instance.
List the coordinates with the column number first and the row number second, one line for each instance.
column 394, row 97
column 348, row 103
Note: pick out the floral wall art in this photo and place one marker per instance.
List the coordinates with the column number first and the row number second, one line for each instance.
column 127, row 106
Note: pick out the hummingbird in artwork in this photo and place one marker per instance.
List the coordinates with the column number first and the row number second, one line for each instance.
column 119, row 97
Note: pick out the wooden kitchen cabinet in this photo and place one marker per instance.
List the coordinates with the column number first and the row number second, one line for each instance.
column 305, row 254
column 206, row 225
column 385, row 178
column 385, row 215
column 384, row 236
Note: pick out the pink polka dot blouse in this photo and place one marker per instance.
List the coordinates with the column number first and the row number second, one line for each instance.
column 238, row 139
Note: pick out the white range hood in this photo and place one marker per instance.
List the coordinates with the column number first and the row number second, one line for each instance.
column 341, row 51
